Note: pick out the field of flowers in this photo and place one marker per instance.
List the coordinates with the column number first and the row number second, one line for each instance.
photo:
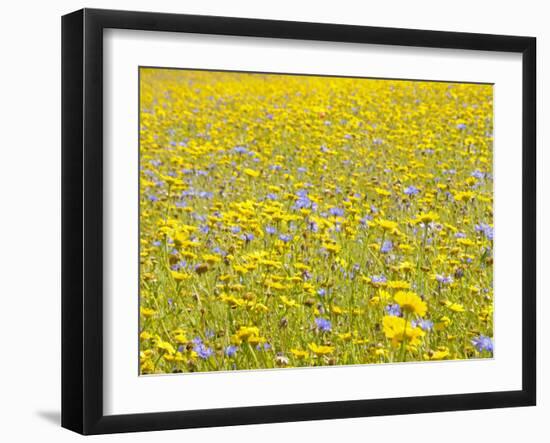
column 291, row 221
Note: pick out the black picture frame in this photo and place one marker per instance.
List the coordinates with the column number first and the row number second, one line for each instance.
column 82, row 218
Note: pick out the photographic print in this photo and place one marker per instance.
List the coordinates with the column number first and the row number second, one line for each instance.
column 300, row 221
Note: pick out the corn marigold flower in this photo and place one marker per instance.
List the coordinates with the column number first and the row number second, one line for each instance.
column 320, row 350
column 398, row 329
column 411, row 303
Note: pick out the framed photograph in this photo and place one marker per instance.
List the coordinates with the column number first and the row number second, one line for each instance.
column 269, row 221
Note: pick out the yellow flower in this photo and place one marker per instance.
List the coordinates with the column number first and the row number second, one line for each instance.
column 256, row 340
column 180, row 338
column 346, row 336
column 251, row 172
column 275, row 285
column 405, row 266
column 332, row 247
column 397, row 329
column 231, row 300
column 464, row 196
column 388, row 225
column 398, row 284
column 145, row 335
column 465, row 242
column 211, row 259
column 164, row 346
column 485, row 314
column 287, row 302
column 180, row 276
column 427, row 217
column 240, row 269
column 441, row 353
column 443, row 323
column 302, row 267
column 455, row 307
column 320, row 349
column 147, row 312
column 299, row 353
column 380, row 352
column 147, row 366
column 245, row 332
column 411, row 303
column 382, row 192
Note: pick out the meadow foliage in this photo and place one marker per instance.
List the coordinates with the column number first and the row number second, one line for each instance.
column 293, row 221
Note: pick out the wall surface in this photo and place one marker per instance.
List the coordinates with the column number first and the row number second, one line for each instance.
column 30, row 218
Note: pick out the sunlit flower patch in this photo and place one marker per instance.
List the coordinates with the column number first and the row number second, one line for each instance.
column 290, row 221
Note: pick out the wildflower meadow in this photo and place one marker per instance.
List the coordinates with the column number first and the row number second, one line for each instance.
column 295, row 220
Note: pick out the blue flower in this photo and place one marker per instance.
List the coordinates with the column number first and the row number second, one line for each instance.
column 336, row 212
column 478, row 174
column 247, row 237
column 218, row 250
column 487, row 230
column 386, row 247
column 321, row 292
column 271, row 196
column 364, row 220
column 323, row 324
column 179, row 265
column 393, row 310
column 444, row 279
column 425, row 325
column 235, row 229
column 483, row 343
column 460, row 235
column 313, row 227
column 204, row 229
column 303, row 201
column 411, row 190
column 203, row 351
column 265, row 347
column 378, row 279
column 285, row 238
column 231, row 350
column 240, row 150
column 270, row 230
column 461, row 126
